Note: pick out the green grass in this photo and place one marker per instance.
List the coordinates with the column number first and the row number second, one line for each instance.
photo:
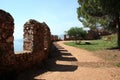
column 96, row 44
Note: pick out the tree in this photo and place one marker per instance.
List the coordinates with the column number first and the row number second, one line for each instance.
column 85, row 12
column 76, row 33
column 106, row 10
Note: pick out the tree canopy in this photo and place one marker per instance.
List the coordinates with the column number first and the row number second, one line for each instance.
column 90, row 14
column 76, row 33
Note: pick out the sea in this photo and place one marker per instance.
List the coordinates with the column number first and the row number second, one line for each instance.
column 18, row 45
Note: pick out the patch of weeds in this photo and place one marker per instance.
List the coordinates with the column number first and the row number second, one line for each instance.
column 118, row 64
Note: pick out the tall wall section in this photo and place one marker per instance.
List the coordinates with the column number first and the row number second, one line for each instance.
column 6, row 41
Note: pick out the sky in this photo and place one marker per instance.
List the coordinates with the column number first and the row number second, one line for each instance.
column 59, row 15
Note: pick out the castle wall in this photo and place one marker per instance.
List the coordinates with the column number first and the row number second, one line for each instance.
column 37, row 41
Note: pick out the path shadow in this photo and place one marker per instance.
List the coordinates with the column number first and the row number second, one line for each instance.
column 67, row 59
column 63, row 50
column 60, row 54
column 66, row 54
column 57, row 53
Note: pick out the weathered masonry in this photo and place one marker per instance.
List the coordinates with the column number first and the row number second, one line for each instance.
column 37, row 42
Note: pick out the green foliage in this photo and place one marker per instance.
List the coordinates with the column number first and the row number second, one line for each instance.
column 98, row 8
column 86, row 11
column 76, row 32
column 96, row 44
column 110, row 7
column 93, row 12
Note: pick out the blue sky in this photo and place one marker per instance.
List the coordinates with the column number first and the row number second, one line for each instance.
column 59, row 15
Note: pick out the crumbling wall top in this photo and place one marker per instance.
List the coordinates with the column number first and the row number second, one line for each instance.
column 5, row 16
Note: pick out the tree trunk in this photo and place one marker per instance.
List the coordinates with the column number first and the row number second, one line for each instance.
column 118, row 27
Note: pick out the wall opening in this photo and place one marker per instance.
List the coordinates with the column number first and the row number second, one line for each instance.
column 18, row 38
column 18, row 45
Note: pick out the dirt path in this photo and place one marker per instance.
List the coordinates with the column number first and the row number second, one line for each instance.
column 77, row 64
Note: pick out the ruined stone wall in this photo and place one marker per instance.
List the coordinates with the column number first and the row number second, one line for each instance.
column 6, row 40
column 34, row 33
column 92, row 34
column 33, row 36
column 47, row 38
column 54, row 38
column 37, row 39
column 6, row 33
column 66, row 37
column 28, row 36
column 34, row 39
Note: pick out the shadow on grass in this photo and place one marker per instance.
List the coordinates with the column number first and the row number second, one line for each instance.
column 83, row 43
column 113, row 48
column 86, row 44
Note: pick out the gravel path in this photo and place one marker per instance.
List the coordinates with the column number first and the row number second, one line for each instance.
column 77, row 64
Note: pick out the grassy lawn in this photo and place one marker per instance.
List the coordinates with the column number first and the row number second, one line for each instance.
column 102, row 48
column 96, row 45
